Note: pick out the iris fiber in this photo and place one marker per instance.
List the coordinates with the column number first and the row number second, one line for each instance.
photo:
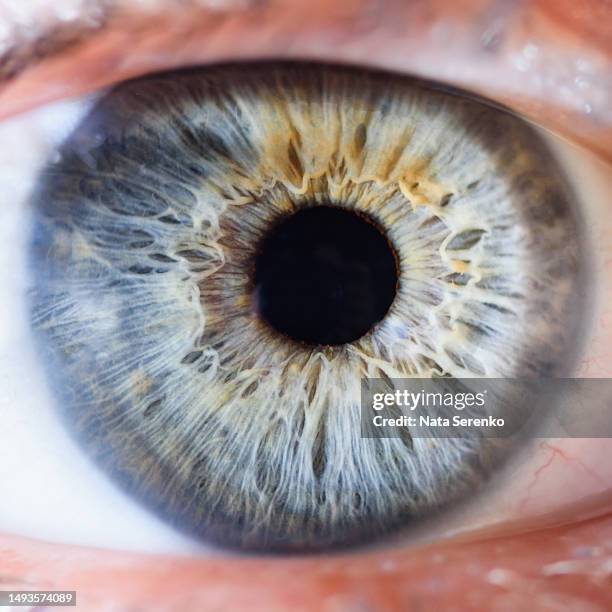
column 147, row 229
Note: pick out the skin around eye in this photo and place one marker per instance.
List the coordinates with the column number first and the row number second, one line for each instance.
column 146, row 231
column 559, row 569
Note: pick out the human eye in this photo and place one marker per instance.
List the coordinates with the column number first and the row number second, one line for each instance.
column 416, row 195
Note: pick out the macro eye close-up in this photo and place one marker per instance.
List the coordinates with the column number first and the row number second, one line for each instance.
column 306, row 305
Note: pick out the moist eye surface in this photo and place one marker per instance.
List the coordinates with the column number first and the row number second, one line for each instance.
column 220, row 256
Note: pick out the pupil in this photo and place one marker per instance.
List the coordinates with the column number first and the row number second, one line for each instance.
column 325, row 275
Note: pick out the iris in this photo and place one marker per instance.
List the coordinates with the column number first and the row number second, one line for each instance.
column 221, row 255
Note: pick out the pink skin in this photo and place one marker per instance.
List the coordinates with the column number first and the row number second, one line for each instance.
column 565, row 568
column 548, row 59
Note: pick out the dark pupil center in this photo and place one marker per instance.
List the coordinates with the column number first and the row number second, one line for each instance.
column 324, row 276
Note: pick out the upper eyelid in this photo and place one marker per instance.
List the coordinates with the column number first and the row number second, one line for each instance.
column 499, row 50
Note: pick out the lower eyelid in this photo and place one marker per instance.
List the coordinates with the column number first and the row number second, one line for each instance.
column 567, row 565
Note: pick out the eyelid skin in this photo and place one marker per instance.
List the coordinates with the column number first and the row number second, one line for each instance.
column 547, row 59
column 557, row 569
